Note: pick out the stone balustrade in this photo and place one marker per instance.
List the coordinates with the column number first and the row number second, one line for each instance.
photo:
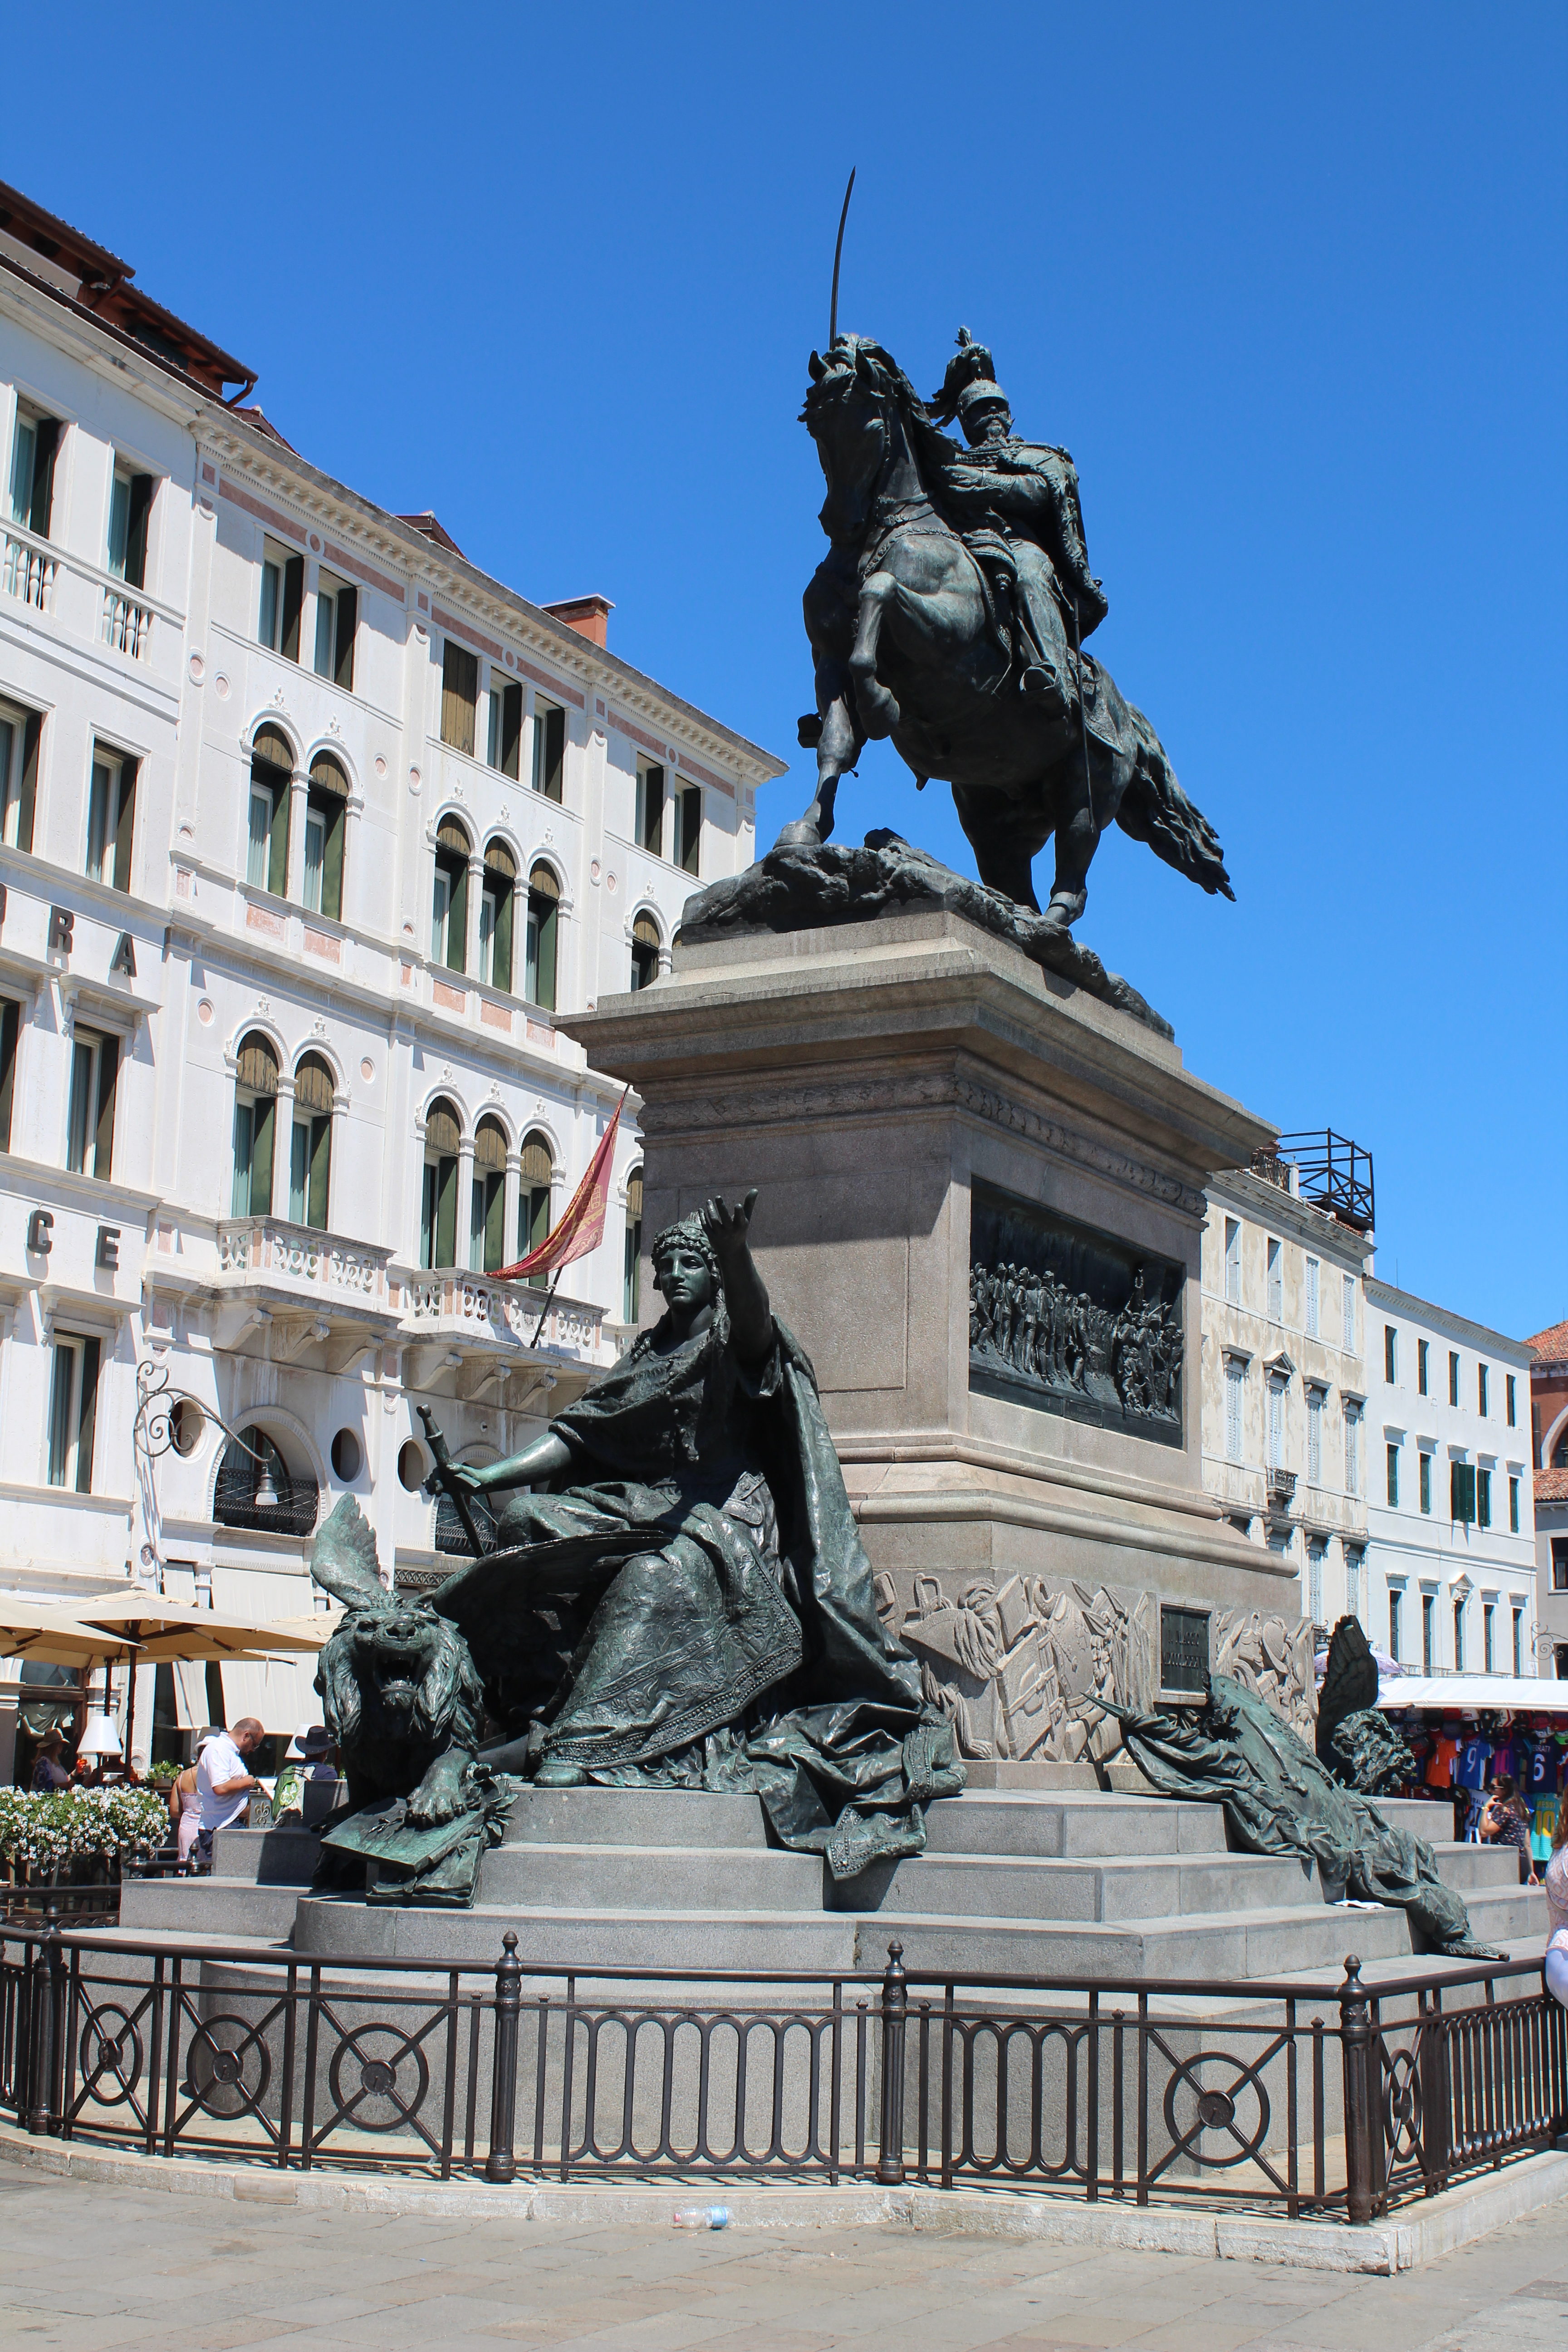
column 447, row 1303
column 84, row 599
column 323, row 1267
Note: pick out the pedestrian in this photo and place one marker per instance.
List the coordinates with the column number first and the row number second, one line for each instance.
column 1556, row 1961
column 1505, row 1821
column 49, row 1775
column 223, row 1782
column 309, row 1756
column 185, row 1803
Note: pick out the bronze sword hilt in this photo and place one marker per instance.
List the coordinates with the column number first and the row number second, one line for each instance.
column 443, row 1474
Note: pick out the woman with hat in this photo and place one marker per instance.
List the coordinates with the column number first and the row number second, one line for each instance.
column 49, row 1775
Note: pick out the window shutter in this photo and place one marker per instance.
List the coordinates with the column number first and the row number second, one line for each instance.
column 257, row 1065
column 263, row 1129
column 500, row 948
column 446, row 1213
column 441, row 1129
column 511, row 731
column 457, row 920
column 103, row 1138
column 490, row 1147
column 271, row 746
column 45, row 447
column 314, row 1084
column 320, row 1172
column 27, row 799
column 87, row 1415
column 10, row 1024
column 141, row 507
column 277, row 846
column 332, row 861
column 459, row 696
column 344, row 648
column 124, row 824
column 537, row 1165
column 293, row 606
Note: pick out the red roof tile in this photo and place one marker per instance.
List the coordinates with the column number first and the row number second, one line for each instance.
column 1552, row 1486
column 1551, row 1345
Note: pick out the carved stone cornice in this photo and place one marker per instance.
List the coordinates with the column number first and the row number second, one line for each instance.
column 1137, row 1175
column 888, row 1092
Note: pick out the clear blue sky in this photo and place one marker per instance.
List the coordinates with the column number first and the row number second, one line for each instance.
column 1288, row 282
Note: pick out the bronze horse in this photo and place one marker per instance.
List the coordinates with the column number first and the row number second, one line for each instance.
column 911, row 640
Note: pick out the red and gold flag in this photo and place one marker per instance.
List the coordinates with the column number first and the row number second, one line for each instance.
column 582, row 1228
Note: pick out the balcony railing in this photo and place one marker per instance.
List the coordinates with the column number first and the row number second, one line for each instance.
column 321, row 1267
column 447, row 1303
column 30, row 569
column 90, row 603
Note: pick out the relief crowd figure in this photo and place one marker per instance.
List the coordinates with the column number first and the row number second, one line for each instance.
column 1030, row 1319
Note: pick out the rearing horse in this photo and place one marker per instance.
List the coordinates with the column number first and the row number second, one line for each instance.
column 908, row 644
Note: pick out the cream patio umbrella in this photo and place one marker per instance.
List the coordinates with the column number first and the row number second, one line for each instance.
column 164, row 1633
column 50, row 1638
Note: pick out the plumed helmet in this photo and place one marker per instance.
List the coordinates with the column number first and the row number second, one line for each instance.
column 969, row 380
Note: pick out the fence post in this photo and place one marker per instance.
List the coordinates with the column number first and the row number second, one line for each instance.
column 1355, row 2054
column 500, row 2164
column 47, row 2023
column 895, row 2008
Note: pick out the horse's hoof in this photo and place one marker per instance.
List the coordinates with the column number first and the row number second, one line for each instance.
column 801, row 834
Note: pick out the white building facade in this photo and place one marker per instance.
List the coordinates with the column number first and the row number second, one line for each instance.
column 1450, row 1516
column 311, row 831
column 1283, row 1380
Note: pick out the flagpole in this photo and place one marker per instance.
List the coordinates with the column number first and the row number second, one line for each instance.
column 549, row 1302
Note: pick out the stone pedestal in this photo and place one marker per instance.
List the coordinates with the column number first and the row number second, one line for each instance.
column 916, row 1099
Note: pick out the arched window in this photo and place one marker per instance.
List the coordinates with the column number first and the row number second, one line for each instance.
column 256, row 1488
column 634, row 1245
column 533, row 1198
column 544, row 901
column 326, row 822
column 311, row 1152
column 486, row 1235
column 449, row 907
column 255, row 1104
column 495, row 916
column 644, row 951
column 271, row 766
column 438, row 1210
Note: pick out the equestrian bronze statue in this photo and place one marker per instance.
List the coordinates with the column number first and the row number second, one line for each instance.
column 950, row 615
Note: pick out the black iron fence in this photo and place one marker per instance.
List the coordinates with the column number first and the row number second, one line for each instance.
column 1332, row 2103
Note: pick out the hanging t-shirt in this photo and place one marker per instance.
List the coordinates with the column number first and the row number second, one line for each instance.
column 1474, row 1765
column 1440, row 1764
column 1543, row 1828
column 1541, row 1771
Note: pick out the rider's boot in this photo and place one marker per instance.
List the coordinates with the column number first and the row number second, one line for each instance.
column 1038, row 686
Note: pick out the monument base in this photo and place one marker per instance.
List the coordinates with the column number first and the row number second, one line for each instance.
column 980, row 1205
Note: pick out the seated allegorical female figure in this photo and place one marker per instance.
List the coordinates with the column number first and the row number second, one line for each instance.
column 682, row 1599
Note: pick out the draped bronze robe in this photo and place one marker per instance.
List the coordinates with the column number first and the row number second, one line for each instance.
column 692, row 1605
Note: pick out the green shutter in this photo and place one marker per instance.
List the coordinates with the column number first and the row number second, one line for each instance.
column 544, row 993
column 343, row 651
column 103, row 1137
column 10, row 1022
column 87, row 1415
column 293, row 606
column 320, row 1172
column 495, row 1223
column 277, row 841
column 457, row 924
column 141, row 507
column 333, row 813
column 244, row 1149
column 264, row 1131
column 28, row 798
column 505, row 900
column 445, row 1253
column 44, row 448
column 124, row 824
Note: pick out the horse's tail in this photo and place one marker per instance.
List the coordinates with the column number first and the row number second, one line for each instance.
column 1155, row 808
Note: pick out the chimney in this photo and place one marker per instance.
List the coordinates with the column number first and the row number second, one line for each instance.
column 589, row 615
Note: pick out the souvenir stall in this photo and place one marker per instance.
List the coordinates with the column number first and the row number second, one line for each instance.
column 1464, row 1729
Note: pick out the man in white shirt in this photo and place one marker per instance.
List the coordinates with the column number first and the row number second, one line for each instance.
column 223, row 1783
